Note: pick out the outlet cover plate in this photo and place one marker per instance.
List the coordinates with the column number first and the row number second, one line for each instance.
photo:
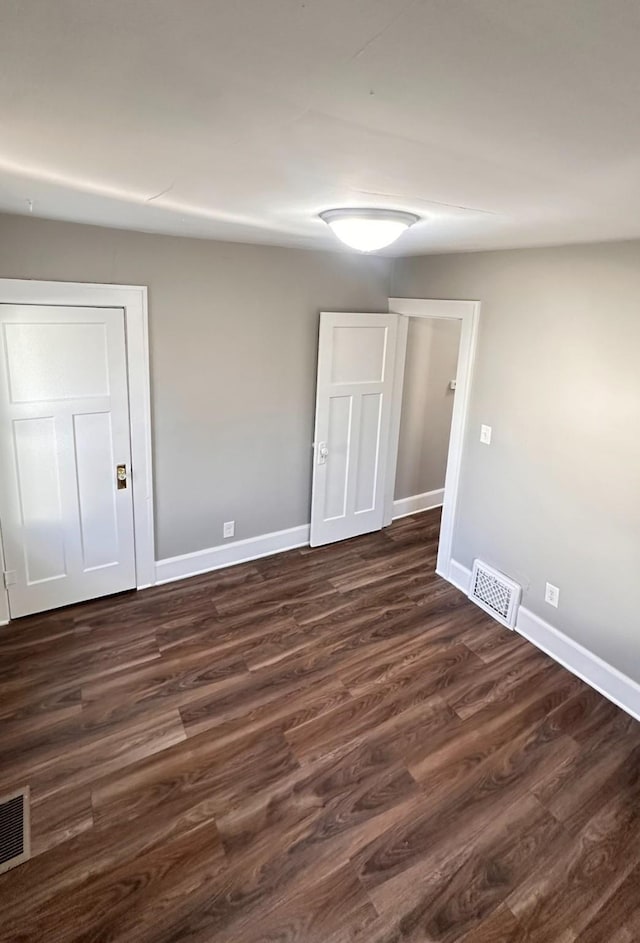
column 552, row 595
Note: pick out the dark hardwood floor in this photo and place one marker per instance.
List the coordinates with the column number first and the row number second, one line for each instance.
column 327, row 746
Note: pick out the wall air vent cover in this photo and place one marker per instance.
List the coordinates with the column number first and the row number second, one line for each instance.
column 495, row 593
column 14, row 829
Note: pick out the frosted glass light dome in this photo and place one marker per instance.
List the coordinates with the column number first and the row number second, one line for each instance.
column 368, row 229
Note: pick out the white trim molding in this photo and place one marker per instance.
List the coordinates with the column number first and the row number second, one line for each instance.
column 468, row 312
column 460, row 576
column 396, row 416
column 4, row 595
column 133, row 300
column 230, row 554
column 403, row 507
column 593, row 670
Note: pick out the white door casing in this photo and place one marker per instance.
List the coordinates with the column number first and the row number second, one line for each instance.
column 64, row 427
column 468, row 313
column 132, row 300
column 356, row 366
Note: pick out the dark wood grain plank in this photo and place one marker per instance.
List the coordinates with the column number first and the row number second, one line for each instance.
column 569, row 892
column 328, row 746
column 56, row 820
column 200, row 769
column 506, row 852
column 500, row 927
column 620, row 916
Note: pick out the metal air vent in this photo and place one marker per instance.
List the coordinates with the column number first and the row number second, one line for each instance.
column 14, row 829
column 495, row 593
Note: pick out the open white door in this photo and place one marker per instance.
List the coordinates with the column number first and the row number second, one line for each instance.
column 65, row 492
column 356, row 367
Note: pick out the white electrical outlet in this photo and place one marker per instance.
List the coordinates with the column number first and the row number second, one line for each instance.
column 552, row 595
column 228, row 529
column 485, row 435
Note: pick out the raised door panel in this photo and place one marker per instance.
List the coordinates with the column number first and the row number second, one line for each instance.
column 338, row 443
column 56, row 361
column 39, row 502
column 95, row 463
column 364, row 492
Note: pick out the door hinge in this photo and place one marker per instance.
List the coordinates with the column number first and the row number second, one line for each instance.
column 9, row 578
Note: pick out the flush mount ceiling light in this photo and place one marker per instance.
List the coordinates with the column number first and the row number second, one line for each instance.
column 368, row 230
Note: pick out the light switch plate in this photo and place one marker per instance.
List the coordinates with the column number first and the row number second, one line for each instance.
column 485, row 435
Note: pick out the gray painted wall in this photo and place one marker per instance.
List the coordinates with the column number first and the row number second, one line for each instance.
column 233, row 333
column 557, row 495
column 233, row 338
column 427, row 405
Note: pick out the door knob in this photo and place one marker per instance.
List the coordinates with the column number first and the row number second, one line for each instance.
column 323, row 453
column 121, row 477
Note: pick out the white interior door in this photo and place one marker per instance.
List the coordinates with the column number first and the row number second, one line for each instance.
column 66, row 515
column 356, row 364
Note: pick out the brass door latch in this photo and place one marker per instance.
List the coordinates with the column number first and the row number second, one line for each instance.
column 121, row 476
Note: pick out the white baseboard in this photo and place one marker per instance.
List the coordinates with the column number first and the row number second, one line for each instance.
column 239, row 551
column 418, row 502
column 599, row 674
column 593, row 670
column 460, row 576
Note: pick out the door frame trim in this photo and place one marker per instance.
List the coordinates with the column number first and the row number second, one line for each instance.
column 133, row 300
column 468, row 312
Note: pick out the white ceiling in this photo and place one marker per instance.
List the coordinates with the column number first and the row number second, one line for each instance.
column 500, row 122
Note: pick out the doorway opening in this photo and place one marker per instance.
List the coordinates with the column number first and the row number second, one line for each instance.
column 428, row 395
column 358, row 436
column 467, row 315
